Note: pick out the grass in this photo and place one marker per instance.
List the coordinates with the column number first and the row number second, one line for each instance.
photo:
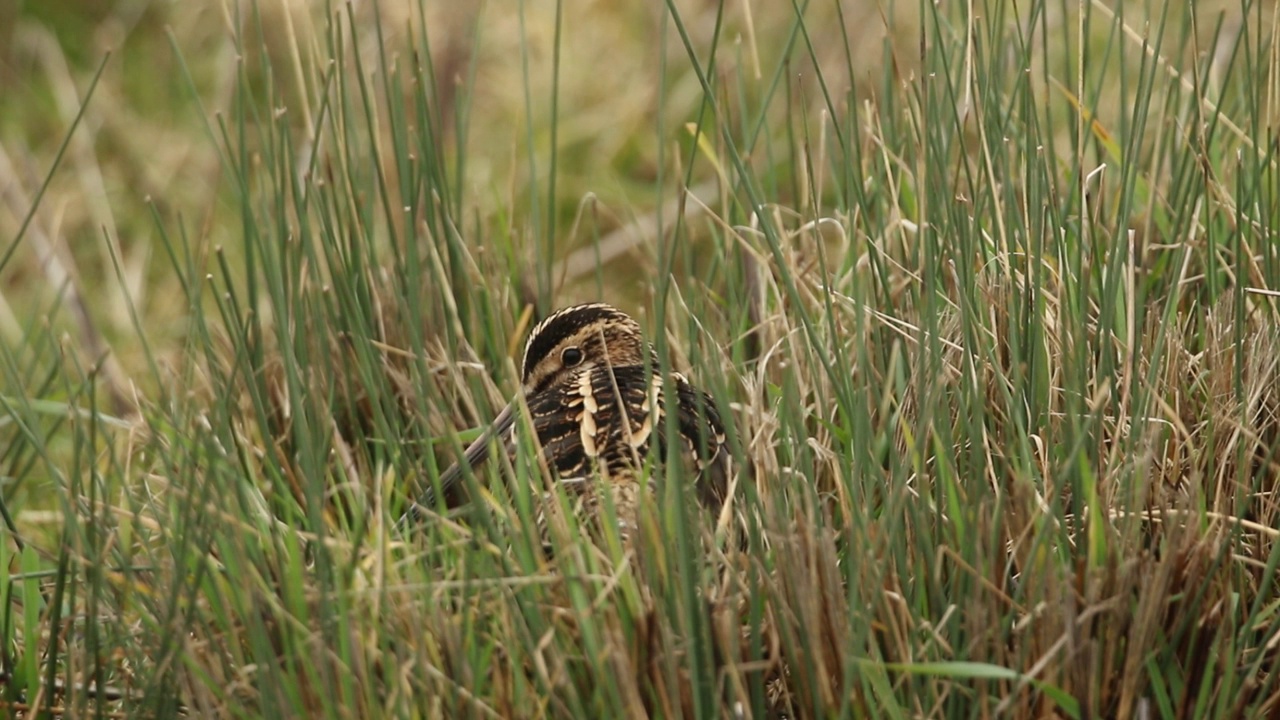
column 987, row 293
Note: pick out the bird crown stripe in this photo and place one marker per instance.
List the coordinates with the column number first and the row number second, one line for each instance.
column 560, row 313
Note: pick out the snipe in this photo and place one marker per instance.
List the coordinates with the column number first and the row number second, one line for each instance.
column 597, row 402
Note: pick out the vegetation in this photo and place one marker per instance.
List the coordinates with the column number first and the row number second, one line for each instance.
column 987, row 292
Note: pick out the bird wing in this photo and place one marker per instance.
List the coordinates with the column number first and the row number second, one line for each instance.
column 580, row 423
column 702, row 434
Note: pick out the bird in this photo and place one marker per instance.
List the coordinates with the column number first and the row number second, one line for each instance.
column 597, row 402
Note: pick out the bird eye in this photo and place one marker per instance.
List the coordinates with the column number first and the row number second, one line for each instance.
column 571, row 356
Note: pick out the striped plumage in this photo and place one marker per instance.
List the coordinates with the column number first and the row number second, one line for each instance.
column 591, row 382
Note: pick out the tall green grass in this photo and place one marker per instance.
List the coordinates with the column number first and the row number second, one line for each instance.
column 994, row 330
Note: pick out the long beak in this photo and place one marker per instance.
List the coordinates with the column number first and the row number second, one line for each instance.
column 476, row 453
